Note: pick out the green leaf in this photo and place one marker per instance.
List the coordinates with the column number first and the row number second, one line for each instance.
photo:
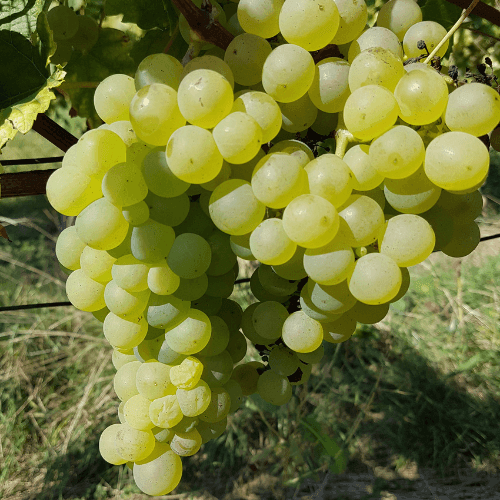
column 154, row 42
column 146, row 14
column 108, row 56
column 47, row 44
column 444, row 13
column 20, row 16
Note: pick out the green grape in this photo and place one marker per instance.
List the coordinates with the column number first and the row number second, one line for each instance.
column 231, row 312
column 465, row 238
column 136, row 214
column 219, row 338
column 330, row 299
column 87, row 34
column 234, row 208
column 405, row 284
column 247, row 376
column 63, row 22
column 364, row 175
column 123, row 303
column 341, row 329
column 153, row 380
column 283, row 360
column 217, row 369
column 209, row 432
column 456, row 161
column 212, row 63
column 70, row 191
column 240, row 245
column 192, row 289
column 119, row 359
column 191, row 335
column 162, row 435
column 462, row 206
column 353, row 18
column 263, row 108
column 160, row 472
column 136, row 413
column 187, row 374
column 233, row 25
column 292, row 146
column 165, row 411
column 246, row 55
column 428, row 31
column 124, row 334
column 123, row 185
column 368, row 314
column 186, row 444
column 149, row 350
column 158, row 68
column 155, row 114
column 168, row 211
column 222, row 176
column 270, row 244
column 124, row 380
column 237, row 346
column 294, row 268
column 376, row 194
column 408, row 239
column 273, row 283
column 238, row 137
column 192, row 155
column 422, row 96
column 63, row 52
column 69, row 248
column 195, row 401
column 221, row 286
column 107, row 445
column 376, row 279
column 441, row 223
column 370, row 111
column 260, row 17
column 162, row 280
column 209, row 305
column 261, row 294
column 268, row 319
column 187, row 424
column 159, row 178
column 152, row 241
column 330, row 89
column 330, row 178
column 196, row 222
column 312, row 310
column 218, row 409
column 130, row 274
column 189, row 256
column 124, row 130
column 298, row 115
column 304, row 372
column 83, row 292
column 166, row 311
column 375, row 66
column 274, row 388
column 288, row 72
column 137, row 151
column 473, row 108
column 375, row 37
column 495, row 139
column 303, row 24
column 235, row 393
column 312, row 357
column 223, row 258
column 113, row 97
column 398, row 16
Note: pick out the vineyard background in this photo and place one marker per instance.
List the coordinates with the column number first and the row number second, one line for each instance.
column 414, row 400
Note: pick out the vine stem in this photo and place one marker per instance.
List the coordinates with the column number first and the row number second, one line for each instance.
column 343, row 138
column 482, row 10
column 454, row 28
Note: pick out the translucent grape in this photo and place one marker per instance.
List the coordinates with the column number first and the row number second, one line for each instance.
column 124, row 380
column 158, row 68
column 153, row 380
column 270, row 244
column 124, row 334
column 130, row 273
column 365, row 177
column 84, row 293
column 294, row 268
column 194, row 401
column 465, row 238
column 136, row 214
column 329, row 299
column 187, row 374
column 191, row 335
column 240, row 245
column 166, row 311
column 218, row 409
column 221, row 286
column 260, row 17
column 325, row 123
column 107, row 445
column 298, row 115
column 302, row 333
column 398, row 16
column 428, row 31
column 368, row 314
column 125, row 304
column 353, row 18
column 223, row 259
column 339, row 330
column 151, row 241
column 192, row 289
column 283, row 360
column 136, row 413
column 189, row 256
column 69, row 248
column 210, row 62
column 165, row 411
column 168, row 211
column 124, row 185
column 113, row 96
column 186, row 444
column 268, row 318
column 375, row 37
column 273, row 283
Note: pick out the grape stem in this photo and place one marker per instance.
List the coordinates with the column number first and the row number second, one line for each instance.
column 343, row 138
column 450, row 33
column 192, row 51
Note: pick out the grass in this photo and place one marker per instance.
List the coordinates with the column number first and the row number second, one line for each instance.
column 419, row 391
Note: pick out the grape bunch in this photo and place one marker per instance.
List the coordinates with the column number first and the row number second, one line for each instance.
column 197, row 166
column 70, row 32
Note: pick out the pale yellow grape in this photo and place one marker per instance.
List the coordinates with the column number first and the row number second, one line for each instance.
column 83, row 292
column 69, row 248
column 125, row 304
column 119, row 358
column 473, row 108
column 234, row 208
column 329, row 299
column 465, row 238
column 277, row 179
column 158, row 68
column 165, row 411
column 186, row 444
column 375, row 37
column 270, row 244
column 353, row 18
column 124, row 380
column 125, row 334
column 240, row 245
column 422, row 96
column 376, row 279
column 370, row 111
column 151, row 241
column 153, row 380
column 298, row 115
column 246, row 55
column 99, row 150
column 274, row 283
column 365, row 177
column 294, row 268
column 124, row 130
column 160, row 472
column 408, row 239
column 288, row 73
column 339, row 330
column 414, row 194
column 397, row 153
column 162, row 280
column 69, row 191
column 204, row 97
column 136, row 412
column 268, row 318
column 162, row 436
column 330, row 87
column 264, row 109
column 210, row 62
column 124, row 184
column 260, row 17
column 187, row 374
column 310, row 221
column 194, row 401
column 292, row 146
column 398, row 16
column 189, row 256
column 166, row 311
column 138, row 151
column 107, row 445
column 130, row 274
column 376, row 66
column 238, row 137
column 136, row 214
column 456, row 161
column 192, row 154
column 330, row 178
column 101, row 225
column 274, row 388
column 428, row 31
column 308, row 24
column 112, row 98
column 302, row 333
column 191, row 335
column 364, row 217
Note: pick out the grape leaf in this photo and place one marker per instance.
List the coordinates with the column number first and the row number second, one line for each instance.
column 108, row 56
column 20, row 15
column 154, row 42
column 146, row 14
column 444, row 13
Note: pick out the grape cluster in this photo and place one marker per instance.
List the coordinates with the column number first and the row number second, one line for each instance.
column 71, row 32
column 195, row 166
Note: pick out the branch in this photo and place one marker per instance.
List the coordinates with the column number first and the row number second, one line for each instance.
column 32, row 161
column 24, row 183
column 482, row 10
column 53, row 132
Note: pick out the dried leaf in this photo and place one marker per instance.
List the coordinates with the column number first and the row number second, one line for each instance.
column 3, row 233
